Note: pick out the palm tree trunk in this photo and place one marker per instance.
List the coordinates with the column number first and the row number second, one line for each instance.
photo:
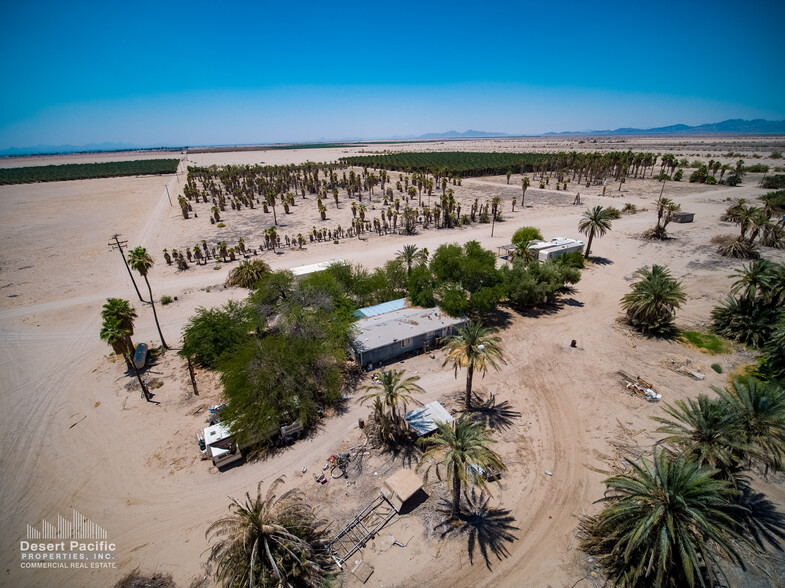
column 469, row 376
column 588, row 245
column 138, row 376
column 456, row 493
column 155, row 314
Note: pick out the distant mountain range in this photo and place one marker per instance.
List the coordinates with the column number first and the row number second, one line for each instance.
column 757, row 126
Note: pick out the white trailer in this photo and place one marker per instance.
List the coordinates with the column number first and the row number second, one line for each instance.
column 217, row 443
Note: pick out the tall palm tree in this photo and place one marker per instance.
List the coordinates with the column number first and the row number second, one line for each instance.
column 654, row 299
column 595, row 221
column 525, row 183
column 393, row 388
column 459, row 445
column 474, row 347
column 268, row 541
column 666, row 524
column 121, row 310
column 118, row 336
column 141, row 261
column 411, row 257
column 247, row 273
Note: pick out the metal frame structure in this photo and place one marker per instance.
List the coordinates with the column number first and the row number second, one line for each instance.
column 363, row 527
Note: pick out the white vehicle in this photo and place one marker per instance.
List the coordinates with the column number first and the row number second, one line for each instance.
column 216, row 441
column 217, row 444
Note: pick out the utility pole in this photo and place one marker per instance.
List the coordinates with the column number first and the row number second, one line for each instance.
column 193, row 376
column 167, row 194
column 119, row 246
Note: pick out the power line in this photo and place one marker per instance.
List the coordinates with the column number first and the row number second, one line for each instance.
column 119, row 245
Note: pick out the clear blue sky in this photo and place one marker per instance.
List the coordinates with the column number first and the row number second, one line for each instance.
column 201, row 72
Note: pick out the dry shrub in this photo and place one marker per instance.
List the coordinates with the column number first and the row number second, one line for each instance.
column 136, row 579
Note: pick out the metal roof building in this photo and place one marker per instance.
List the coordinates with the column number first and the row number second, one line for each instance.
column 383, row 337
column 382, row 308
column 303, row 271
column 423, row 420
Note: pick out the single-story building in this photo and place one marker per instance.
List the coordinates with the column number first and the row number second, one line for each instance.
column 382, row 337
column 303, row 271
column 423, row 420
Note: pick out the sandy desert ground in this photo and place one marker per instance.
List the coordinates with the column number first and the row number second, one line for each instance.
column 76, row 434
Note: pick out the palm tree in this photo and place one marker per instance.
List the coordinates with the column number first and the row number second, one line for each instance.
column 411, row 257
column 704, row 430
column 654, row 299
column 758, row 410
column 391, row 389
column 595, row 221
column 118, row 336
column 754, row 279
column 268, row 541
column 121, row 310
column 141, row 261
column 474, row 347
column 668, row 522
column 525, row 183
column 665, row 209
column 459, row 445
column 247, row 273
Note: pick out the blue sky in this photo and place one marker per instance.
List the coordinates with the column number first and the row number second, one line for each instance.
column 209, row 72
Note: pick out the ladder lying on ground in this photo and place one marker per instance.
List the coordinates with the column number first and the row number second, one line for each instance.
column 363, row 527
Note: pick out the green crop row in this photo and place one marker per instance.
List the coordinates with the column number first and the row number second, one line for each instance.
column 461, row 163
column 86, row 171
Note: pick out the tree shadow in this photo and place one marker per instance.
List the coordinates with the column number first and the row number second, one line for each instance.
column 487, row 529
column 404, row 449
column 596, row 260
column 762, row 521
column 495, row 416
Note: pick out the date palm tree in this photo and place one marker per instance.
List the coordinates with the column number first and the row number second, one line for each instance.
column 141, row 261
column 595, row 221
column 269, row 541
column 247, row 273
column 393, row 388
column 474, row 347
column 120, row 309
column 758, row 412
column 667, row 523
column 654, row 298
column 704, row 430
column 411, row 256
column 459, row 445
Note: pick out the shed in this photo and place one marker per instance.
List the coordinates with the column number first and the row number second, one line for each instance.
column 423, row 420
column 683, row 217
column 401, row 486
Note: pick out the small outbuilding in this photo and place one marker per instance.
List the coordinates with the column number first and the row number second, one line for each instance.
column 303, row 271
column 424, row 420
column 683, row 217
column 400, row 487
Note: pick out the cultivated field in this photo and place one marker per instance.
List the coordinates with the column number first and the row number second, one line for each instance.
column 77, row 435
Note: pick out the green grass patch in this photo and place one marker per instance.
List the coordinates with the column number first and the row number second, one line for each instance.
column 705, row 342
column 86, row 171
